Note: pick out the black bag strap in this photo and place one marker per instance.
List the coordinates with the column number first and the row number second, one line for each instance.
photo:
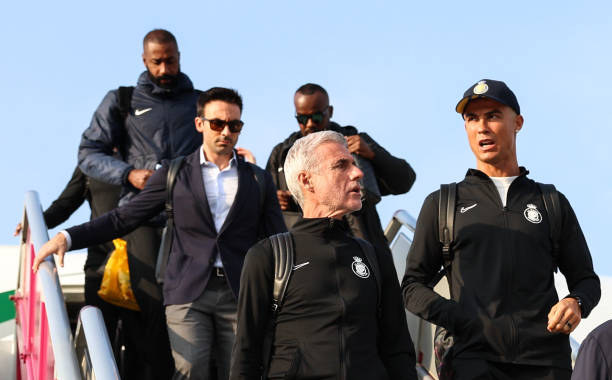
column 552, row 204
column 283, row 252
column 370, row 253
column 173, row 169
column 446, row 227
column 125, row 101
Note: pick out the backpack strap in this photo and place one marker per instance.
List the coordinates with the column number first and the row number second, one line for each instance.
column 552, row 204
column 166, row 243
column 125, row 101
column 446, row 227
column 283, row 252
column 370, row 253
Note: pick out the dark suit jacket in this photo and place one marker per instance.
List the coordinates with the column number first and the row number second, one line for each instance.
column 196, row 242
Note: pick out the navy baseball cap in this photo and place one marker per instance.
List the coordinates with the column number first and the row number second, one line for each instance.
column 492, row 89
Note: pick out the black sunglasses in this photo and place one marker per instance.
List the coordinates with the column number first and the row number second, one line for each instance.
column 218, row 125
column 316, row 117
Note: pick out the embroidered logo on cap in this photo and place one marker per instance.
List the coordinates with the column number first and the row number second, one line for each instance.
column 532, row 214
column 481, row 88
column 359, row 268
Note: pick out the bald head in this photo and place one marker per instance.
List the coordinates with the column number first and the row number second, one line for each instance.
column 159, row 36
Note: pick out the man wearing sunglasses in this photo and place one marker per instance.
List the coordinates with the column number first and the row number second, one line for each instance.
column 219, row 213
column 383, row 173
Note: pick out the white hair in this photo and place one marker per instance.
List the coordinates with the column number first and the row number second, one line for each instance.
column 302, row 158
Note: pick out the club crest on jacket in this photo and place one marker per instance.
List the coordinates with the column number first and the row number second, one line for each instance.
column 532, row 214
column 359, row 268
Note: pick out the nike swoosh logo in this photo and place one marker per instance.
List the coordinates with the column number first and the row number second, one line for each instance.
column 296, row 267
column 140, row 112
column 466, row 209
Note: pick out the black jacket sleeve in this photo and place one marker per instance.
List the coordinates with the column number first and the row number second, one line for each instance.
column 71, row 198
column 274, row 163
column 395, row 345
column 575, row 260
column 275, row 168
column 122, row 220
column 105, row 132
column 254, row 312
column 394, row 175
column 422, row 264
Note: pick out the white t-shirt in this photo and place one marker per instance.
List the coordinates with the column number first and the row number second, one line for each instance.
column 503, row 184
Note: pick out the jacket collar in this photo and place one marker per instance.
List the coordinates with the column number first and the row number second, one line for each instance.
column 477, row 174
column 327, row 227
column 183, row 84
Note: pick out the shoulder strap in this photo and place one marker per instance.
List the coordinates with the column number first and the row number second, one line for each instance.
column 166, row 243
column 446, row 226
column 259, row 175
column 370, row 252
column 283, row 252
column 125, row 100
column 550, row 197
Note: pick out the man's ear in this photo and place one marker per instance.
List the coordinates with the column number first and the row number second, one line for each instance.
column 518, row 123
column 331, row 111
column 199, row 124
column 305, row 181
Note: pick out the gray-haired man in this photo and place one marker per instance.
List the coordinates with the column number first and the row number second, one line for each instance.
column 332, row 324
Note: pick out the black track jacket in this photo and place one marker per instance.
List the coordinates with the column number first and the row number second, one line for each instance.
column 327, row 327
column 502, row 274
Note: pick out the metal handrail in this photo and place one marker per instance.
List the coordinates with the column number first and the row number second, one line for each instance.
column 44, row 318
column 400, row 218
column 93, row 346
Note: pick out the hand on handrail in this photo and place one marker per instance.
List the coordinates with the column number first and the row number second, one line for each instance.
column 17, row 229
column 57, row 245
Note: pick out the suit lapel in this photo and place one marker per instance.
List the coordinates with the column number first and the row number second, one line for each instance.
column 199, row 193
column 244, row 188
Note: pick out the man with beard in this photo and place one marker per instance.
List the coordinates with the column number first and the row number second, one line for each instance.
column 383, row 173
column 153, row 124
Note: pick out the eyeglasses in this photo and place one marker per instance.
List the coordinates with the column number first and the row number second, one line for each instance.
column 316, row 117
column 218, row 125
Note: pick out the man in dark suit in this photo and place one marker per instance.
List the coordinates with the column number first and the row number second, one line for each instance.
column 218, row 216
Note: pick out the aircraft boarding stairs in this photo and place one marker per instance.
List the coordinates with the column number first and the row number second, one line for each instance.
column 45, row 348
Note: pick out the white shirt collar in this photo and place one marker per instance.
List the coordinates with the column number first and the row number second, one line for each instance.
column 204, row 161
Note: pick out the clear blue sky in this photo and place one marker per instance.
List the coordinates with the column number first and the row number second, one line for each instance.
column 394, row 70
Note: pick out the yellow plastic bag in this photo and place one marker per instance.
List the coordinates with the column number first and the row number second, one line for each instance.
column 115, row 287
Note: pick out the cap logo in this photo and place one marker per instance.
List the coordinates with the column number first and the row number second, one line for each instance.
column 481, row 87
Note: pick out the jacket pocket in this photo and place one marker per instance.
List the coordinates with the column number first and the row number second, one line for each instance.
column 285, row 362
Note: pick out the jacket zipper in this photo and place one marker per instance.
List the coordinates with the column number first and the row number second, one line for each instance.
column 342, row 353
column 343, row 359
column 513, row 334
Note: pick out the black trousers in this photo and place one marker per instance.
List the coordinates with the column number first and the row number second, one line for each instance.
column 479, row 369
column 146, row 331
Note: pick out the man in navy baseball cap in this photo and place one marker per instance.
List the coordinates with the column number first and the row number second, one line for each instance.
column 505, row 315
